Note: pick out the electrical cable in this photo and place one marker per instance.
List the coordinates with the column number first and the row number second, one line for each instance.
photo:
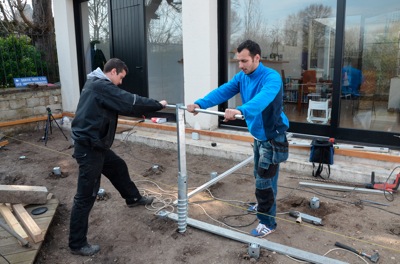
column 234, row 215
column 1, row 255
column 215, row 220
column 358, row 256
column 133, row 131
column 385, row 192
column 226, row 217
column 159, row 203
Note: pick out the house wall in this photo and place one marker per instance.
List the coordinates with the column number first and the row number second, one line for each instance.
column 200, row 55
column 200, row 52
column 67, row 55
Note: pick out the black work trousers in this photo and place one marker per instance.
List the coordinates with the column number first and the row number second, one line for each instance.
column 92, row 163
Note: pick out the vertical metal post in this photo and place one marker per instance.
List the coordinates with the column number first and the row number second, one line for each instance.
column 182, row 206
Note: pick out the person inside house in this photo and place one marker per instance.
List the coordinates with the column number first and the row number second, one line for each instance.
column 352, row 79
column 261, row 91
column 93, row 131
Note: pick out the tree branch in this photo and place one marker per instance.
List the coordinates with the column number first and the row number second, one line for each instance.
column 21, row 7
column 3, row 12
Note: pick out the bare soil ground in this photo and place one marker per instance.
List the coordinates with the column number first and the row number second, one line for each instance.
column 136, row 235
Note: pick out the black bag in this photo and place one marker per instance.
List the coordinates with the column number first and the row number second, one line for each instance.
column 321, row 153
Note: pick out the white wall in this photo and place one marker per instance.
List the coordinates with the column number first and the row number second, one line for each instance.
column 67, row 55
column 200, row 56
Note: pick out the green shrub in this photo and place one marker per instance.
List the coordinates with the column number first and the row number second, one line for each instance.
column 18, row 58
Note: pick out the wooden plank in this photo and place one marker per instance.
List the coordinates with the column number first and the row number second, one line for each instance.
column 188, row 130
column 245, row 138
column 7, row 239
column 28, row 120
column 3, row 143
column 359, row 154
column 13, row 249
column 10, row 247
column 368, row 155
column 28, row 223
column 22, row 257
column 12, row 221
column 25, row 194
column 43, row 223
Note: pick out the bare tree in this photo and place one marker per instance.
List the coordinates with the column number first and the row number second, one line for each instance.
column 98, row 19
column 308, row 16
column 39, row 26
column 250, row 23
column 42, row 21
column 252, row 19
column 8, row 18
column 291, row 30
column 165, row 27
column 235, row 22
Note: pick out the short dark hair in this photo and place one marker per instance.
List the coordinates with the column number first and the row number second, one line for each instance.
column 251, row 46
column 117, row 64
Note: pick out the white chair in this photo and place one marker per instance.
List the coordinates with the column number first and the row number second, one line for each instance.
column 324, row 112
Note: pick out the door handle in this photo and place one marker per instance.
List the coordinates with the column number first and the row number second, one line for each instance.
column 139, row 67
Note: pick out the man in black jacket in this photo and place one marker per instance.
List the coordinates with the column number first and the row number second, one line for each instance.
column 93, row 132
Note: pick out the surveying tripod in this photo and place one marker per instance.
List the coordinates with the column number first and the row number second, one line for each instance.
column 48, row 126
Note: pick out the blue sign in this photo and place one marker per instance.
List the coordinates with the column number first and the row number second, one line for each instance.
column 22, row 82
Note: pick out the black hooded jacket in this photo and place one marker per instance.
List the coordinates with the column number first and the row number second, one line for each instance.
column 97, row 112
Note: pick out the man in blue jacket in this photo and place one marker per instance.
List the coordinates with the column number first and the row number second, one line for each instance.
column 93, row 132
column 261, row 91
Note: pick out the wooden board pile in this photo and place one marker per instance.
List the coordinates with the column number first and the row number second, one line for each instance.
column 13, row 198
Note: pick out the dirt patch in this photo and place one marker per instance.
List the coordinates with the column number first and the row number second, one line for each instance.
column 136, row 235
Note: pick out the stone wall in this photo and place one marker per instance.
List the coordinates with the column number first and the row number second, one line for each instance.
column 19, row 104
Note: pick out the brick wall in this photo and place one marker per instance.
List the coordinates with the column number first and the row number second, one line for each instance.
column 24, row 103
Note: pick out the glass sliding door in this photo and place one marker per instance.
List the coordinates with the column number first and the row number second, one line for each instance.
column 297, row 40
column 165, row 50
column 96, row 33
column 370, row 87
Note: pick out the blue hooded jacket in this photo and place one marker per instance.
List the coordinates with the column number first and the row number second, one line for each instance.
column 262, row 96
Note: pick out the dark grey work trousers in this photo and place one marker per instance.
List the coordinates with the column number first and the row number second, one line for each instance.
column 92, row 163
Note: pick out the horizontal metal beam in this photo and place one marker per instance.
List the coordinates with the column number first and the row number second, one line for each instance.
column 218, row 178
column 340, row 188
column 221, row 176
column 240, row 117
column 285, row 250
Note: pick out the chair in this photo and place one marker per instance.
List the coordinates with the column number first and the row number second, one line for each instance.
column 323, row 107
column 368, row 94
column 309, row 81
column 307, row 85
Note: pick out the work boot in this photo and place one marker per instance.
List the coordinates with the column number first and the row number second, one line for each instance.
column 88, row 250
column 142, row 201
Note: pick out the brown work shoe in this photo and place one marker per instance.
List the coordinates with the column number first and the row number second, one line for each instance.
column 88, row 250
column 142, row 201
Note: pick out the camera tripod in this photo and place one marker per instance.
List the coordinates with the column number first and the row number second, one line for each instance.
column 48, row 126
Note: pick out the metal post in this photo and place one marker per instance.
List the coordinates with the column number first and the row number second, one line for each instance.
column 182, row 177
column 182, row 203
